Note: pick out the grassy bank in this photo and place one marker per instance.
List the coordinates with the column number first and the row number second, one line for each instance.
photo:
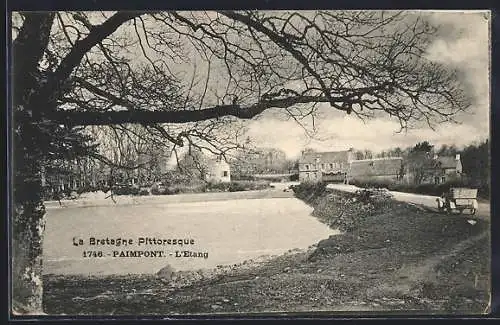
column 391, row 257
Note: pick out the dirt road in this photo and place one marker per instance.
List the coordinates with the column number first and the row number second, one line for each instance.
column 425, row 200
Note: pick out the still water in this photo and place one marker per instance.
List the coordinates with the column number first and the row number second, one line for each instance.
column 216, row 232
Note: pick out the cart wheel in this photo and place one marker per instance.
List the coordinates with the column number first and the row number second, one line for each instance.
column 472, row 211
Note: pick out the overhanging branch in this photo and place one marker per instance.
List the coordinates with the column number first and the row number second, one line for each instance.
column 181, row 116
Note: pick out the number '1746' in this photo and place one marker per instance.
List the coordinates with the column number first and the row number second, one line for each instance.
column 92, row 254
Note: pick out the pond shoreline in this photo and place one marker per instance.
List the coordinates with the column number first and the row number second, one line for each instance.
column 168, row 199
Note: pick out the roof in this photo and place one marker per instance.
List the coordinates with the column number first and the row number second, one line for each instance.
column 213, row 163
column 446, row 162
column 337, row 156
column 376, row 167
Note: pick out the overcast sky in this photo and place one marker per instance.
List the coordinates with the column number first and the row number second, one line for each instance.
column 463, row 43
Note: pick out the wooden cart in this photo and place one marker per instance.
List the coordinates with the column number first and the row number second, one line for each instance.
column 458, row 199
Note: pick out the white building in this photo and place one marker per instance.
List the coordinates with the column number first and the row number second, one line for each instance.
column 218, row 171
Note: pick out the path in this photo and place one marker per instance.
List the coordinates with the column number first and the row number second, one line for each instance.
column 426, row 200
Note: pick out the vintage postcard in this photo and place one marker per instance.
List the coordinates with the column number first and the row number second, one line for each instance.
column 250, row 162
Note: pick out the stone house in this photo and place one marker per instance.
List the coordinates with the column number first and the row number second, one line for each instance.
column 435, row 170
column 444, row 169
column 325, row 166
column 376, row 169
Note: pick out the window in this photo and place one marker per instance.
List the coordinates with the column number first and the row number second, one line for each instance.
column 307, row 167
column 322, row 166
column 224, row 173
column 331, row 166
column 443, row 179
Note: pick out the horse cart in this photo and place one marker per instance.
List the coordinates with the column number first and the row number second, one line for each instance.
column 458, row 199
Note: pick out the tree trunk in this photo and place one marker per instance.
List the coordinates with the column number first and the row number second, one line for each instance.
column 28, row 222
column 27, row 286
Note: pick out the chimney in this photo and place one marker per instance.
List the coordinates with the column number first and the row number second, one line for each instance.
column 457, row 156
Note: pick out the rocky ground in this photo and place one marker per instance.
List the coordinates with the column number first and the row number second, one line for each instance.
column 392, row 257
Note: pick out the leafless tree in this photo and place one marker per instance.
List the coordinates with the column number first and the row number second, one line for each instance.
column 186, row 76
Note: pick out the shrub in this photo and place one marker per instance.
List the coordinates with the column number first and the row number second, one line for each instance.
column 143, row 191
column 126, row 190
column 242, row 177
column 171, row 190
column 156, row 191
column 194, row 187
column 218, row 187
column 309, row 191
column 237, row 187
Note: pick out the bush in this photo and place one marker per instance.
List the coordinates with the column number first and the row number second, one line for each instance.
column 87, row 189
column 218, row 187
column 143, row 191
column 157, row 191
column 309, row 191
column 126, row 190
column 195, row 187
column 237, row 187
column 237, row 177
column 171, row 191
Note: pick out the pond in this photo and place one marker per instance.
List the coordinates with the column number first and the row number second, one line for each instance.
column 224, row 232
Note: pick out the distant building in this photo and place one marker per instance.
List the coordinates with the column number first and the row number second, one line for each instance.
column 435, row 170
column 387, row 169
column 218, row 171
column 444, row 169
column 325, row 166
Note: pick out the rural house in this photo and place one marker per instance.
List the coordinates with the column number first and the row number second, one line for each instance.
column 218, row 171
column 380, row 169
column 444, row 169
column 325, row 166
